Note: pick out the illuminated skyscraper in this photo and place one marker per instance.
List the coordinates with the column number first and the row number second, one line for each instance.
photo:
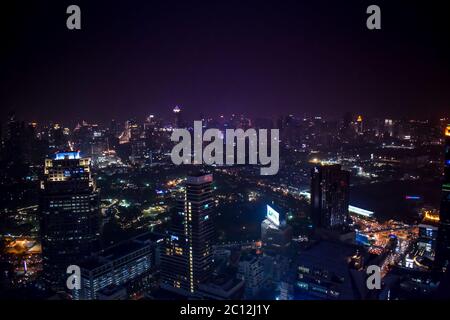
column 187, row 260
column 178, row 121
column 359, row 124
column 329, row 197
column 69, row 215
column 443, row 240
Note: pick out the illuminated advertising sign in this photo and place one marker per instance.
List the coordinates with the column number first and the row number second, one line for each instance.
column 273, row 216
column 362, row 239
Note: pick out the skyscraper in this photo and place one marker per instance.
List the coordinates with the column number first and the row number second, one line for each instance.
column 443, row 240
column 329, row 197
column 187, row 260
column 347, row 131
column 359, row 124
column 178, row 120
column 69, row 215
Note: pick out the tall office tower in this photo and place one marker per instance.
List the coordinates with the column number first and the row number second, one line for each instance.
column 69, row 215
column 139, row 151
column 178, row 120
column 428, row 231
column 389, row 127
column 114, row 129
column 133, row 129
column 359, row 124
column 187, row 260
column 346, row 129
column 19, row 141
column 329, row 197
column 443, row 239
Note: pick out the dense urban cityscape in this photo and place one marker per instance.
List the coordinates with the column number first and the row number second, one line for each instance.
column 224, row 159
column 350, row 193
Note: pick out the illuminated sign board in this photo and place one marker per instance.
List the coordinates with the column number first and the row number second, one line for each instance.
column 363, row 212
column 273, row 216
column 362, row 238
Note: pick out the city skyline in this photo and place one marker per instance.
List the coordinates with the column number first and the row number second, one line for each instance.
column 225, row 152
column 165, row 224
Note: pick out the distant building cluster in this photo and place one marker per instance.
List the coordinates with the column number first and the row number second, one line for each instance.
column 108, row 200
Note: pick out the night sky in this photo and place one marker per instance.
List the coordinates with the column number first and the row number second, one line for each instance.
column 262, row 58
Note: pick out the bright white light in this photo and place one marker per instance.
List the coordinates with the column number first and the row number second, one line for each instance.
column 360, row 211
column 273, row 216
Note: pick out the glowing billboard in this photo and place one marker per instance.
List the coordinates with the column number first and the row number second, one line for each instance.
column 273, row 216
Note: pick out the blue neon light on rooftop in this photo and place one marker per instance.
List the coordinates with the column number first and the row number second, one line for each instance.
column 67, row 155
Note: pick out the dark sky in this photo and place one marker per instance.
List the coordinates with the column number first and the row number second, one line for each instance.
column 262, row 58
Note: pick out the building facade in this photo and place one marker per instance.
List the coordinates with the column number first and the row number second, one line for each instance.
column 115, row 268
column 443, row 241
column 69, row 215
column 187, row 259
column 329, row 197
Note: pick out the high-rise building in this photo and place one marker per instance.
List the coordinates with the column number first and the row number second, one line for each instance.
column 69, row 215
column 139, row 151
column 178, row 120
column 359, row 124
column 443, row 240
column 428, row 231
column 329, row 197
column 19, row 141
column 347, row 130
column 187, row 260
column 114, row 128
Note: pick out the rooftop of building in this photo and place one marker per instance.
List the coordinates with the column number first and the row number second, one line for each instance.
column 122, row 249
column 150, row 236
column 115, row 252
column 67, row 155
column 333, row 258
column 199, row 178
